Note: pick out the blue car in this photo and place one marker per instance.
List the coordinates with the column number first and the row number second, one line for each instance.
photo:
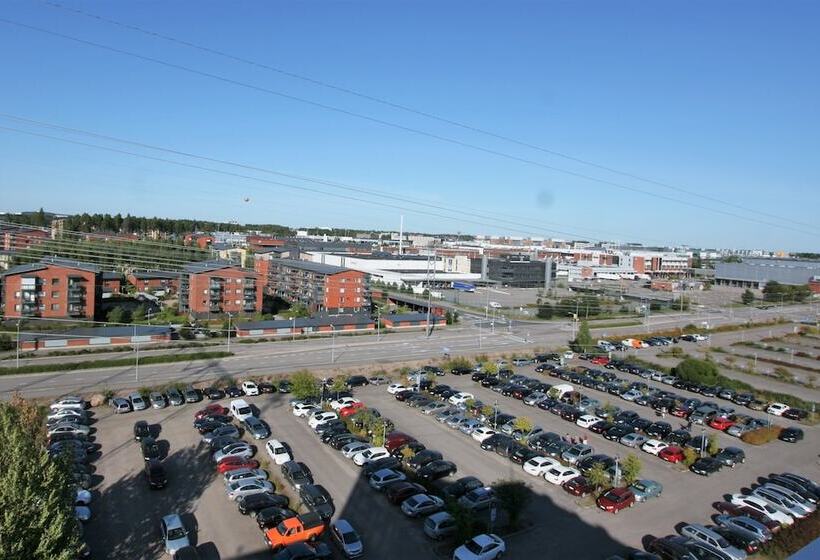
column 645, row 489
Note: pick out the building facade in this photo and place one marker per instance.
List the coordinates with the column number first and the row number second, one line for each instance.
column 216, row 287
column 52, row 288
column 155, row 280
column 754, row 273
column 319, row 287
column 513, row 270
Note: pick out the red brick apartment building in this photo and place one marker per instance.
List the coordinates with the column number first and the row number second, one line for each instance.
column 214, row 287
column 17, row 238
column 52, row 288
column 154, row 280
column 319, row 287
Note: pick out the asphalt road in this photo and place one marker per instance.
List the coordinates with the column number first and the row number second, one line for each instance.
column 341, row 352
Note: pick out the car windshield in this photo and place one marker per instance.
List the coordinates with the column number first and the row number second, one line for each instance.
column 177, row 533
column 473, row 547
column 244, row 410
column 350, row 537
column 613, row 496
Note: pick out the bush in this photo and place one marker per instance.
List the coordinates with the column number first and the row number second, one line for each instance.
column 631, row 469
column 689, row 456
column 791, row 539
column 698, row 371
column 713, row 445
column 762, row 435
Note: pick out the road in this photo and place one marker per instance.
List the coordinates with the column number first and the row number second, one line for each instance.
column 331, row 353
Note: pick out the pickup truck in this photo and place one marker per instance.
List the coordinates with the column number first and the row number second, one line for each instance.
column 305, row 527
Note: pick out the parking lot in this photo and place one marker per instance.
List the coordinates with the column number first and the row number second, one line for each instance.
column 127, row 513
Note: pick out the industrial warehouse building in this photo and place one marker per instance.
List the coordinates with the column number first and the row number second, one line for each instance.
column 754, row 273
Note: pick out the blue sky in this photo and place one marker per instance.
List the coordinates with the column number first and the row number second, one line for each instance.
column 719, row 98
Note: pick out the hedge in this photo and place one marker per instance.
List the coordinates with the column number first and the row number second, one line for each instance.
column 761, row 435
column 97, row 364
column 791, row 539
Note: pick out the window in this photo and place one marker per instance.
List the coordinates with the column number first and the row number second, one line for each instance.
column 341, row 290
column 55, row 295
column 17, row 307
column 16, row 294
column 238, row 291
column 237, row 302
column 55, row 281
column 55, row 306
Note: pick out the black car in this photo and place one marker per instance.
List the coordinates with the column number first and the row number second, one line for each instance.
column 214, row 393
column 331, row 425
column 794, row 486
column 141, row 430
column 678, row 437
column 397, row 492
column 413, row 446
column 340, row 440
column 304, row 551
column 384, row 463
column 317, row 500
column 673, row 547
column 297, row 473
column 585, row 464
column 731, row 456
column 221, row 441
column 233, row 391
column 357, row 381
column 258, row 502
column 738, row 539
column 440, row 388
column 273, row 516
column 490, row 381
column 791, row 435
column 555, row 448
column 494, row 441
column 423, row 458
column 461, row 371
column 437, row 469
column 601, row 426
column 640, row 424
column 615, row 433
column 192, row 395
column 284, row 386
column 795, row 414
column 150, row 448
column 328, row 435
column 706, row 466
column 155, row 474
column 478, row 376
column 461, row 486
column 265, row 387
column 521, row 454
column 659, row 430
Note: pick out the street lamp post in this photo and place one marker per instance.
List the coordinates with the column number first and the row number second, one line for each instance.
column 18, row 345
column 228, row 334
column 293, row 329
column 378, row 323
column 702, row 440
column 332, row 344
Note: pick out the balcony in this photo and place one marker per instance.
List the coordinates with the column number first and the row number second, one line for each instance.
column 76, row 310
column 249, row 307
column 215, row 308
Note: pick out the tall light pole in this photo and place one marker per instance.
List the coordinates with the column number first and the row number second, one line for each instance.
column 378, row 323
column 293, row 329
column 18, row 344
column 228, row 334
column 137, row 359
column 332, row 344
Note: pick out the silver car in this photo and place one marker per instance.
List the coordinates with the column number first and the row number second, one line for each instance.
column 226, row 430
column 71, row 414
column 120, row 405
column 69, row 428
column 713, row 540
column 346, row 538
column 245, row 474
column 780, row 502
column 799, row 500
column 745, row 525
column 158, row 400
column 174, row 533
column 238, row 449
column 469, row 426
column 241, row 488
column 137, row 401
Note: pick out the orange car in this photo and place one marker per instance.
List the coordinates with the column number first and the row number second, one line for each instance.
column 305, row 527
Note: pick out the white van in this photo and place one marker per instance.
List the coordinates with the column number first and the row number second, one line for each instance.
column 240, row 409
column 558, row 391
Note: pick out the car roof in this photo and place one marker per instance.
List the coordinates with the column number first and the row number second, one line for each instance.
column 483, row 540
column 173, row 521
column 344, row 526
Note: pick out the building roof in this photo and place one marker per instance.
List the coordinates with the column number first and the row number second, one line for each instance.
column 302, row 322
column 99, row 332
column 148, row 275
column 395, row 317
column 209, row 266
column 385, row 256
column 108, row 275
column 312, row 266
column 52, row 261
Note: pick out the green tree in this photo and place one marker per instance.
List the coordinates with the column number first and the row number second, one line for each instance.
column 545, row 311
column 583, row 340
column 487, row 411
column 513, row 497
column 597, row 476
column 712, row 445
column 304, row 384
column 117, row 315
column 689, row 456
column 139, row 314
column 631, row 469
column 466, row 525
column 699, row 371
column 339, row 384
column 489, row 368
column 747, row 297
column 38, row 516
column 6, row 342
column 523, row 425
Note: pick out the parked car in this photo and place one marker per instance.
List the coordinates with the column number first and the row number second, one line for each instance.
column 240, row 488
column 616, row 499
column 791, row 435
column 174, row 533
column 382, row 478
column 317, row 500
column 437, row 469
column 346, row 538
column 157, row 400
column 439, row 525
column 120, row 405
column 257, row 427
column 645, row 489
column 706, row 466
column 713, row 540
column 175, row 397
column 481, row 547
column 461, row 486
column 421, row 504
column 233, row 463
column 731, row 456
column 249, row 388
column 297, row 473
column 397, row 492
column 558, row 475
column 278, row 451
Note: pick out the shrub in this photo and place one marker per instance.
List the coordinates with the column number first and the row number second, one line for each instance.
column 791, row 539
column 597, row 476
column 713, row 446
column 761, row 435
column 689, row 456
column 631, row 469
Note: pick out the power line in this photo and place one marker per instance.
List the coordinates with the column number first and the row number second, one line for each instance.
column 334, row 184
column 391, row 124
column 415, row 111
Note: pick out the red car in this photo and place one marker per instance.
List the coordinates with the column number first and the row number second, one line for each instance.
column 735, row 510
column 600, row 360
column 672, row 454
column 578, row 486
column 351, row 410
column 209, row 410
column 233, row 463
column 721, row 423
column 616, row 499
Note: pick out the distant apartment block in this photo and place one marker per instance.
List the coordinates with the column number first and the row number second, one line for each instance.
column 154, row 280
column 112, row 284
column 319, row 287
column 52, row 288
column 214, row 287
column 20, row 238
column 754, row 272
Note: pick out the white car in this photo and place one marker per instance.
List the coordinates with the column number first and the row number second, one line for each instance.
column 700, row 337
column 481, row 433
column 250, row 388
column 301, row 410
column 461, row 398
column 537, row 466
column 763, row 507
column 569, row 354
column 278, row 452
column 481, row 547
column 421, row 504
column 68, row 414
column 654, row 446
column 560, row 474
column 241, row 488
column 372, row 454
column 394, row 388
column 318, row 418
column 631, row 395
column 587, row 420
column 351, row 449
column 344, row 402
column 777, row 409
column 74, row 403
column 174, row 533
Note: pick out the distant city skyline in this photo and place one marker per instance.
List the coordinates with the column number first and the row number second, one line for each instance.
column 685, row 96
